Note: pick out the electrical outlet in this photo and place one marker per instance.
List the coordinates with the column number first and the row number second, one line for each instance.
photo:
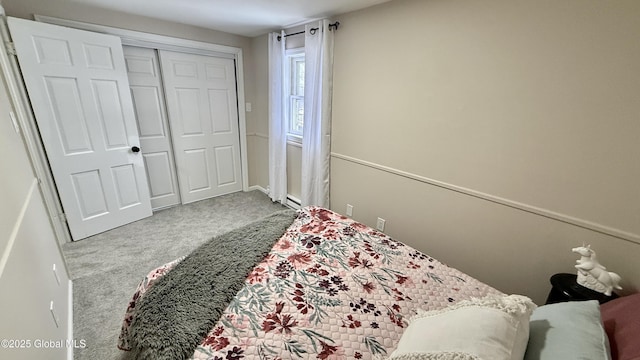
column 54, row 315
column 349, row 210
column 55, row 273
column 380, row 224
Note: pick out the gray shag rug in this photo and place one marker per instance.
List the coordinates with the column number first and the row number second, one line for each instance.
column 106, row 268
column 177, row 312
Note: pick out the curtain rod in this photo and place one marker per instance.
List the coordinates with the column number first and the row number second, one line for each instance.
column 312, row 30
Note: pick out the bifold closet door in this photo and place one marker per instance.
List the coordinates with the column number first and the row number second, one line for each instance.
column 202, row 105
column 79, row 91
column 147, row 93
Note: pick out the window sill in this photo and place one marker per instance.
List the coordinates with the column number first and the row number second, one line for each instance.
column 294, row 140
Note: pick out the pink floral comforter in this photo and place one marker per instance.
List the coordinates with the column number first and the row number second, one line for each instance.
column 331, row 288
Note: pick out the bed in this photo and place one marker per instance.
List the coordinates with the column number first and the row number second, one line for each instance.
column 307, row 284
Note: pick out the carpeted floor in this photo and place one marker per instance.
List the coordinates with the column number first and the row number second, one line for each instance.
column 106, row 268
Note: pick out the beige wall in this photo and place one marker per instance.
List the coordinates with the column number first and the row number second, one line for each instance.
column 258, row 130
column 28, row 252
column 531, row 102
column 14, row 189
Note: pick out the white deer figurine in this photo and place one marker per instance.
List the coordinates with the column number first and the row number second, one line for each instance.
column 592, row 275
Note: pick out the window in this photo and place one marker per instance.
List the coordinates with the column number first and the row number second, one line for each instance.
column 294, row 83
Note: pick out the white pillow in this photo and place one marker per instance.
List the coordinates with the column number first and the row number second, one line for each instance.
column 491, row 328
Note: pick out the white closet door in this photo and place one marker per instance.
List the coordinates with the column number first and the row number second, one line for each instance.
column 203, row 113
column 147, row 93
column 79, row 91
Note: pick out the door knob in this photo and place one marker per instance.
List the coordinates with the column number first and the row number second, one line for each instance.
column 135, row 149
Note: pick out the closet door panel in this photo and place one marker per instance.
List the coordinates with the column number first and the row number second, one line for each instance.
column 155, row 141
column 202, row 105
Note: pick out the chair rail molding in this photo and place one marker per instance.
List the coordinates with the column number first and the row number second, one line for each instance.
column 568, row 219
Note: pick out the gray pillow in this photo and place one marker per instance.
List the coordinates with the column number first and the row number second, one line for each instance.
column 567, row 331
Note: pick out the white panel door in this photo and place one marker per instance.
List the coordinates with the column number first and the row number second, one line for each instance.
column 147, row 93
column 77, row 83
column 203, row 113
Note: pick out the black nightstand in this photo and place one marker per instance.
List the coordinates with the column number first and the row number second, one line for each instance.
column 564, row 287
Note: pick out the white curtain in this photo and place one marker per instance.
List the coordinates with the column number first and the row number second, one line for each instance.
column 316, row 139
column 277, row 120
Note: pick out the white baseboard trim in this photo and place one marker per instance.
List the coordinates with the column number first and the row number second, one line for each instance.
column 70, row 321
column 257, row 134
column 259, row 188
column 582, row 223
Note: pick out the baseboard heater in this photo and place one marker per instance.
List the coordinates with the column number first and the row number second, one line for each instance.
column 293, row 202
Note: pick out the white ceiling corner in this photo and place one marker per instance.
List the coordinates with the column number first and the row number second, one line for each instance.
column 242, row 17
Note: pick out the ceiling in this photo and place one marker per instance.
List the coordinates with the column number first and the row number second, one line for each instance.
column 243, row 17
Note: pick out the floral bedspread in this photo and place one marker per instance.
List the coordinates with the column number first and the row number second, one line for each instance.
column 331, row 288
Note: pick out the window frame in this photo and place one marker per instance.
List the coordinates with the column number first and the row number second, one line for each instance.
column 291, row 56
